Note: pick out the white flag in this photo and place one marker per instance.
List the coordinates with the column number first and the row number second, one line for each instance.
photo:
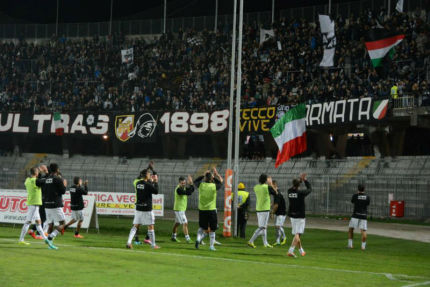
column 127, row 56
column 329, row 40
column 399, row 6
column 265, row 35
column 279, row 46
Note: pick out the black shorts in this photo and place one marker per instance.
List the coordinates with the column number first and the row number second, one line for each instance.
column 208, row 218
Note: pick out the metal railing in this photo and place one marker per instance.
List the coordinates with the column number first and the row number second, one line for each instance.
column 155, row 26
column 406, row 102
column 331, row 195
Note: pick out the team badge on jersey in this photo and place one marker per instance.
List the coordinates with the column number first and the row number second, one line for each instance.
column 124, row 125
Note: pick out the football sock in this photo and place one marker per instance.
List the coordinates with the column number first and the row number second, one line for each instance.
column 131, row 235
column 363, row 245
column 136, row 238
column 53, row 234
column 265, row 237
column 349, row 243
column 40, row 230
column 278, row 235
column 187, row 237
column 151, row 234
column 24, row 231
column 173, row 235
column 291, row 250
column 282, row 232
column 45, row 227
column 200, row 234
column 212, row 239
column 255, row 235
column 301, row 250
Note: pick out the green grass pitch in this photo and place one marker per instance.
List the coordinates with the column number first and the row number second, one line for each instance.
column 102, row 260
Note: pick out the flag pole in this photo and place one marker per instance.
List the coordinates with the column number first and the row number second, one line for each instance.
column 389, row 8
column 232, row 70
column 56, row 22
column 273, row 11
column 329, row 7
column 164, row 17
column 237, row 123
column 216, row 16
column 110, row 20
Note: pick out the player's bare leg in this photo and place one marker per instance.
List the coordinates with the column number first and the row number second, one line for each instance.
column 58, row 229
column 69, row 223
column 187, row 235
column 174, row 232
column 78, row 229
column 350, row 237
column 294, row 244
column 363, row 239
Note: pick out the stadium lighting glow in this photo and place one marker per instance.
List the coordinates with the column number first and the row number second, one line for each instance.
column 105, row 137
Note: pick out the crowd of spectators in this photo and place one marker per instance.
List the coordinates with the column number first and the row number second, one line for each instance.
column 190, row 70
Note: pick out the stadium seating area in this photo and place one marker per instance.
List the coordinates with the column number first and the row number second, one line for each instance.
column 407, row 178
column 190, row 70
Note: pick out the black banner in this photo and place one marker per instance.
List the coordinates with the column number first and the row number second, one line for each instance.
column 147, row 126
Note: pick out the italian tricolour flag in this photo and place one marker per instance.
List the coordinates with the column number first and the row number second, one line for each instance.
column 289, row 133
column 59, row 129
column 380, row 43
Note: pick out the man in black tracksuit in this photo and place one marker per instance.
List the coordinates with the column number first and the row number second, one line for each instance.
column 55, row 187
column 145, row 187
column 296, row 212
column 77, row 191
column 359, row 217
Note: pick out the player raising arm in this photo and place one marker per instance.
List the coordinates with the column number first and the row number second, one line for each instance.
column 34, row 201
column 55, row 187
column 263, row 190
column 77, row 204
column 296, row 212
column 145, row 188
column 280, row 211
column 208, row 186
column 182, row 191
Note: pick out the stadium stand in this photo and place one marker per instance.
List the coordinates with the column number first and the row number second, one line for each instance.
column 190, row 70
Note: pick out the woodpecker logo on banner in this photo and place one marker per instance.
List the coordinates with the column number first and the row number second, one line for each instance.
column 227, row 203
column 329, row 40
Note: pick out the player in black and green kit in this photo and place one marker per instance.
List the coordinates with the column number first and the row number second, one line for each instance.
column 263, row 190
column 182, row 191
column 208, row 186
column 34, row 201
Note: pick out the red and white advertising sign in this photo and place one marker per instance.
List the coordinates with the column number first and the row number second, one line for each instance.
column 13, row 205
column 227, row 203
column 13, row 208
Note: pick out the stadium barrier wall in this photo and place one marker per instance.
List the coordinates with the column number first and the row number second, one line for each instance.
column 331, row 194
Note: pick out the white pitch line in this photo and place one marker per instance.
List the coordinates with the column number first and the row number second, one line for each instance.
column 418, row 284
column 389, row 276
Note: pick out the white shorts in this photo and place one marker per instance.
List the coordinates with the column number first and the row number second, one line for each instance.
column 358, row 223
column 180, row 217
column 263, row 218
column 77, row 215
column 297, row 225
column 144, row 217
column 279, row 220
column 32, row 213
column 54, row 215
